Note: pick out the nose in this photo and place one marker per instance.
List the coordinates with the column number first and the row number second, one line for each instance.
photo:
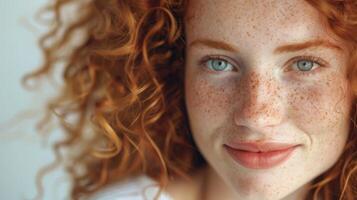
column 263, row 103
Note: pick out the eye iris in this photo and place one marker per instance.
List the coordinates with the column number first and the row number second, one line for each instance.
column 218, row 65
column 304, row 65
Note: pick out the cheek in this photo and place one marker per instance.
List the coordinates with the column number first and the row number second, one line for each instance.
column 208, row 100
column 324, row 104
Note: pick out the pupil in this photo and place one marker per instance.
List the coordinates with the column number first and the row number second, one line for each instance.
column 219, row 65
column 305, row 65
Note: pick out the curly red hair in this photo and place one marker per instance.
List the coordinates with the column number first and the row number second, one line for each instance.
column 122, row 102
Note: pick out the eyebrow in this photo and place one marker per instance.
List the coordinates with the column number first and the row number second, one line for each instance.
column 214, row 44
column 307, row 44
column 284, row 48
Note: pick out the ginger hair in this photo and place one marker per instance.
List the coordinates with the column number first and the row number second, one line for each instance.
column 121, row 104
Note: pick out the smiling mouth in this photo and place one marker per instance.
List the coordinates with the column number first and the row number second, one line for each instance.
column 260, row 155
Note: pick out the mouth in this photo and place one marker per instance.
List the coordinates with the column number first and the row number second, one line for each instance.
column 260, row 155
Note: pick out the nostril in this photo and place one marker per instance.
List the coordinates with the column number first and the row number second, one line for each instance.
column 259, row 116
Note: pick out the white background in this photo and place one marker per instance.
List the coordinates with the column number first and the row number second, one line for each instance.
column 22, row 151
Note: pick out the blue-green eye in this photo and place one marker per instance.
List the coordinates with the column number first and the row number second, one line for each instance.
column 217, row 64
column 305, row 65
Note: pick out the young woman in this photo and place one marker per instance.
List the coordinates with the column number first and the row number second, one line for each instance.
column 205, row 99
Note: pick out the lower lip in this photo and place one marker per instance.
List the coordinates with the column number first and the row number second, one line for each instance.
column 260, row 160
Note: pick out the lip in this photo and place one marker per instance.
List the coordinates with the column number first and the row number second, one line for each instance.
column 260, row 155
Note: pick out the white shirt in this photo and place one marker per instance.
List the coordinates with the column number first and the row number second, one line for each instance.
column 138, row 188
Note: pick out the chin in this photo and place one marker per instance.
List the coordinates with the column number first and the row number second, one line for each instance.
column 263, row 189
column 261, row 194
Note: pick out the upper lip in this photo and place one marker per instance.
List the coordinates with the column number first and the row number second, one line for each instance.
column 260, row 146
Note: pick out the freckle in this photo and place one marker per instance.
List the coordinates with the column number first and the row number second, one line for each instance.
column 197, row 93
column 207, row 110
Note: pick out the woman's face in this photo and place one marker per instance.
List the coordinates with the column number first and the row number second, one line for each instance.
column 263, row 72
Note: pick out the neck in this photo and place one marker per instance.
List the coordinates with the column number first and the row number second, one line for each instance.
column 187, row 189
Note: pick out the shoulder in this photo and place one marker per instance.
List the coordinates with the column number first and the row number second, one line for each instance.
column 138, row 188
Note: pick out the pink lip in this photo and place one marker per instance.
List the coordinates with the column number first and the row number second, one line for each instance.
column 260, row 155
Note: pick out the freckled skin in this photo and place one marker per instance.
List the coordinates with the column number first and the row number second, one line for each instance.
column 261, row 101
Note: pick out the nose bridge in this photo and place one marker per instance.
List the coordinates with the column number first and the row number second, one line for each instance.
column 262, row 101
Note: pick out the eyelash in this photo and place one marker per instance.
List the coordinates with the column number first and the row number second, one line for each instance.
column 204, row 61
column 313, row 59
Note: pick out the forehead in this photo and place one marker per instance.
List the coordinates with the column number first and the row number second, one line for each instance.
column 275, row 20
